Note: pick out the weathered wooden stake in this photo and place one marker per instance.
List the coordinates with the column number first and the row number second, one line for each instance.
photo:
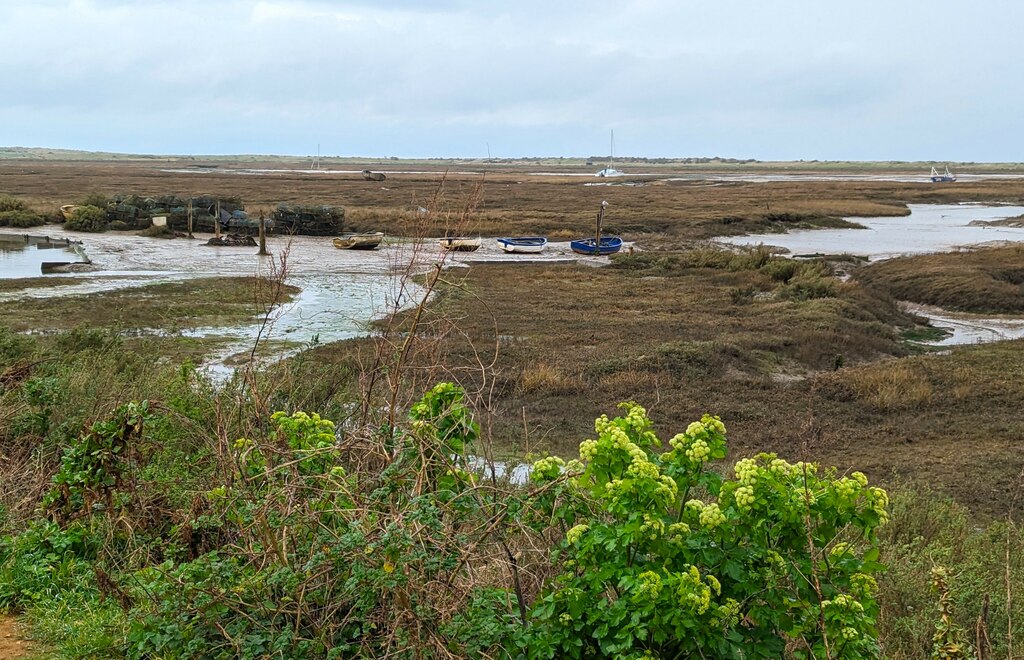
column 216, row 221
column 190, row 218
column 600, row 219
column 263, row 236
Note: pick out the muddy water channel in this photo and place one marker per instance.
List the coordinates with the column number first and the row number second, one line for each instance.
column 929, row 228
column 341, row 291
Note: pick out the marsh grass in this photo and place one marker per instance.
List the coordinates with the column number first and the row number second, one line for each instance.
column 890, row 386
column 984, row 280
column 168, row 306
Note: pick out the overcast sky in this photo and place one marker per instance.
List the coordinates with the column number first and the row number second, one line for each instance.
column 766, row 79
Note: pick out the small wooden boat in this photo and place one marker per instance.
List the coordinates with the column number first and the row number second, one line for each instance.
column 607, row 245
column 461, row 244
column 367, row 241
column 526, row 244
column 373, row 176
column 67, row 210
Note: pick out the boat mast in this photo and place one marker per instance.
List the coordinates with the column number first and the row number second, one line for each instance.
column 600, row 218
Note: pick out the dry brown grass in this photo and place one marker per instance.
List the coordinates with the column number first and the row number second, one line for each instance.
column 889, row 386
column 987, row 280
column 545, row 378
column 513, row 202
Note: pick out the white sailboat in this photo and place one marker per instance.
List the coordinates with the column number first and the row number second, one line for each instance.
column 611, row 171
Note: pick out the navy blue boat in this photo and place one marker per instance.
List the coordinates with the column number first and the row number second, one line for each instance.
column 532, row 244
column 609, row 245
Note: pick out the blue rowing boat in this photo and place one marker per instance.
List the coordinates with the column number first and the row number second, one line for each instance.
column 530, row 244
column 608, row 245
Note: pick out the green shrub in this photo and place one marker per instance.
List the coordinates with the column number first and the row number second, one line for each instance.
column 666, row 558
column 87, row 218
column 21, row 219
column 9, row 203
column 97, row 199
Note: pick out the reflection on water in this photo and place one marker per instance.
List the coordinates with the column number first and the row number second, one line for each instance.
column 23, row 256
column 928, row 228
column 968, row 328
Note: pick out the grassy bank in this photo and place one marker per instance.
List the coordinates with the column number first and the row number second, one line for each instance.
column 984, row 280
column 208, row 301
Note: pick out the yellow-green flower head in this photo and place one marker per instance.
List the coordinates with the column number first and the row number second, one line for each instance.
column 653, row 527
column 713, row 424
column 643, row 469
column 713, row 582
column 565, row 618
column 678, row 441
column 860, row 478
column 746, row 471
column 711, row 516
column 744, row 497
column 863, row 585
column 601, row 424
column 839, row 550
column 695, row 428
column 843, row 602
column 588, row 450
column 695, row 506
column 648, row 587
column 677, row 533
column 728, row 611
column 692, row 593
column 573, row 536
column 698, row 451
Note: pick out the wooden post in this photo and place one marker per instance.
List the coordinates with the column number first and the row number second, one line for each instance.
column 600, row 218
column 263, row 236
column 190, row 217
column 216, row 221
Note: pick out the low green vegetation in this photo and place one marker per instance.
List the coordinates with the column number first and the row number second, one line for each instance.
column 16, row 213
column 168, row 306
column 87, row 219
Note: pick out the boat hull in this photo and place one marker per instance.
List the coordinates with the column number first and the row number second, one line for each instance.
column 523, row 244
column 461, row 244
column 943, row 179
column 359, row 241
column 588, row 246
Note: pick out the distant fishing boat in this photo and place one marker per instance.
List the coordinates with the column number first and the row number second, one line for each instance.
column 598, row 245
column 524, row 244
column 945, row 177
column 365, row 241
column 461, row 244
column 610, row 171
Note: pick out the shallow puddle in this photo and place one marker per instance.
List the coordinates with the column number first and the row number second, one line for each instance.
column 23, row 256
column 968, row 328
